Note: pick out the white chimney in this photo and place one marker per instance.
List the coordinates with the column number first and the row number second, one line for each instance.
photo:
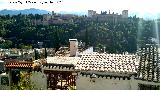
column 73, row 47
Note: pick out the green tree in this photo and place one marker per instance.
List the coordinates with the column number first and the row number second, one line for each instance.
column 6, row 44
column 25, row 83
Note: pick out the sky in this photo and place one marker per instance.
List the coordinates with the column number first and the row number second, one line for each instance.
column 139, row 7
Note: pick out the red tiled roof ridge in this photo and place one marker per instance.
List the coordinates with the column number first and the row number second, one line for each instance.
column 18, row 61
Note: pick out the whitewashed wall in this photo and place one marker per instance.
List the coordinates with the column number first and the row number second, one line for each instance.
column 40, row 80
column 86, row 83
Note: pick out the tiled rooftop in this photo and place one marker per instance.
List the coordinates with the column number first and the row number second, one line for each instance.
column 18, row 64
column 108, row 62
column 122, row 63
column 63, row 60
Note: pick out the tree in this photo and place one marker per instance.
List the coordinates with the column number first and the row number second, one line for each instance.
column 25, row 83
column 117, row 37
column 6, row 44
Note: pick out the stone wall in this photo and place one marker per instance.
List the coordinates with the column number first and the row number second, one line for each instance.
column 87, row 83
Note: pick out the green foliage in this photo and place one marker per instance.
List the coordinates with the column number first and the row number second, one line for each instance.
column 117, row 37
column 25, row 46
column 25, row 83
column 2, row 32
column 5, row 44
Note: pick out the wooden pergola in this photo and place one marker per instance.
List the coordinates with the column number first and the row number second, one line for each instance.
column 60, row 76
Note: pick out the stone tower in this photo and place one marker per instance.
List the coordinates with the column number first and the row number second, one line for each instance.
column 125, row 14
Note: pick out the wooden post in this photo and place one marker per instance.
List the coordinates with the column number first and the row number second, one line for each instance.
column 69, row 81
column 61, row 81
column 75, row 80
column 73, row 83
column 66, row 79
column 72, row 79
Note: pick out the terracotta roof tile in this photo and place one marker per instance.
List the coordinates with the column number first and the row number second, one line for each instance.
column 18, row 64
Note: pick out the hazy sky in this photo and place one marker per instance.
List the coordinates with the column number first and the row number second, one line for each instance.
column 136, row 6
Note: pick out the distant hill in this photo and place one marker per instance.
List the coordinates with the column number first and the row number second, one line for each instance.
column 25, row 11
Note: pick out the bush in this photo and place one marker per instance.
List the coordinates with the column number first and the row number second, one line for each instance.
column 25, row 83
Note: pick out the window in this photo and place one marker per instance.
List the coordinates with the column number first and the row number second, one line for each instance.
column 4, row 80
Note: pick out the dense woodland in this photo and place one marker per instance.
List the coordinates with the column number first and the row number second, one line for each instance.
column 19, row 32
